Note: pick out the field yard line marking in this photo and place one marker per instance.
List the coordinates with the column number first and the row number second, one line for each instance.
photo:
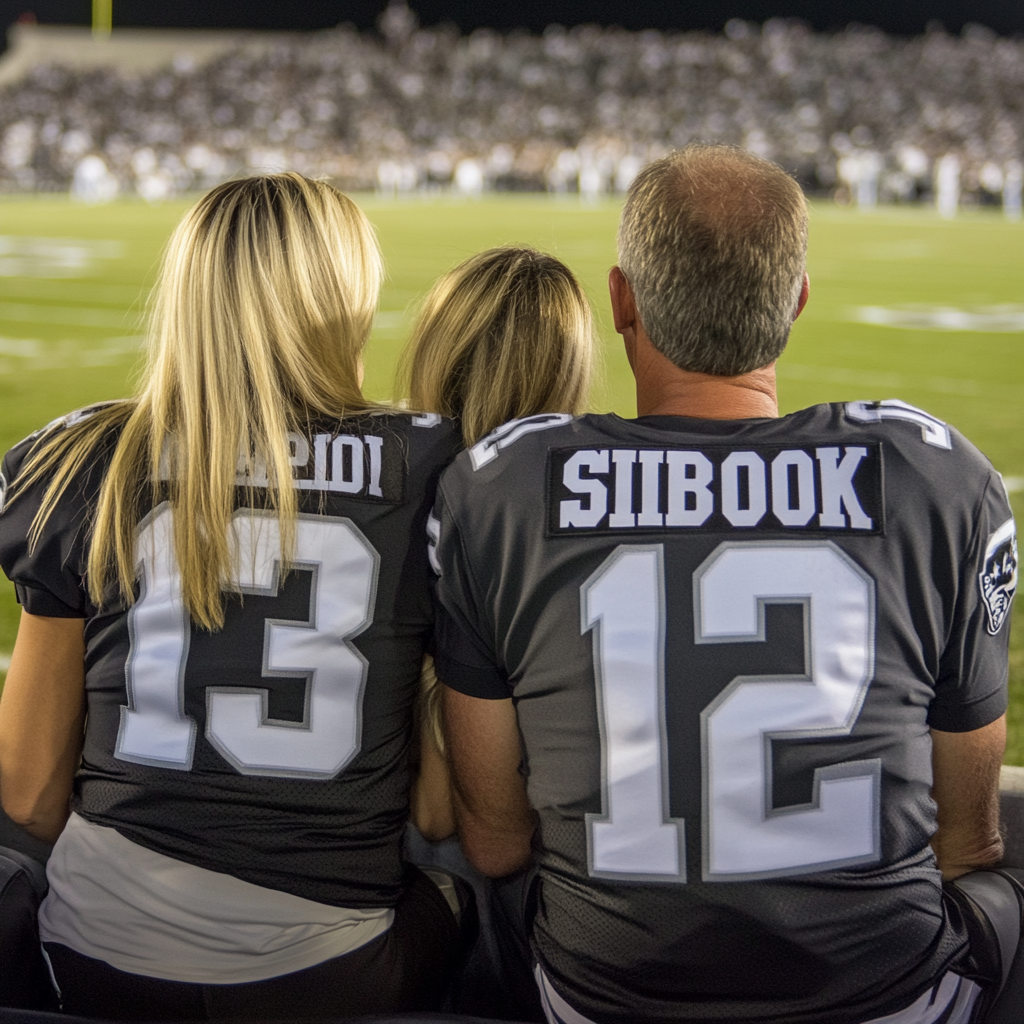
column 33, row 354
column 63, row 289
column 78, row 316
column 23, row 348
column 1013, row 484
column 5, row 662
column 1003, row 319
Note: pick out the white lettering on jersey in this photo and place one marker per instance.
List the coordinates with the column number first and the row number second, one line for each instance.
column 684, row 484
column 3, row 491
column 486, row 451
column 650, row 461
column 933, row 431
column 623, row 514
column 790, row 509
column 572, row 513
column 837, row 490
column 352, row 481
column 426, row 419
column 299, row 450
column 624, row 489
column 346, row 464
column 998, row 576
column 750, row 512
column 375, row 446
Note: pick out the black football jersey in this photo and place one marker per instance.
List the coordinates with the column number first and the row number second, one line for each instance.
column 274, row 749
column 726, row 642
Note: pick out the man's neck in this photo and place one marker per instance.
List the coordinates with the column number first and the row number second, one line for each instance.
column 662, row 389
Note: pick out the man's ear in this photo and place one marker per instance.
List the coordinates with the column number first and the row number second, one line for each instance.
column 805, row 292
column 623, row 303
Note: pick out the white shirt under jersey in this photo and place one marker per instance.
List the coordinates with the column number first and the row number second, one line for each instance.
column 148, row 914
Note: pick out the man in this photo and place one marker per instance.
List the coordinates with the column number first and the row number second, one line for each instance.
column 733, row 656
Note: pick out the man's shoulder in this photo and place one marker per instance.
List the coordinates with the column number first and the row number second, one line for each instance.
column 507, row 455
column 921, row 449
column 890, row 450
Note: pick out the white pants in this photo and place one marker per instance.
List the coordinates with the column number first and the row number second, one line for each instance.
column 951, row 991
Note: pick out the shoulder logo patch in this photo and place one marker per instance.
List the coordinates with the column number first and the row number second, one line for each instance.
column 998, row 577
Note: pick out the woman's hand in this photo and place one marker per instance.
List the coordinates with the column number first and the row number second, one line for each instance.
column 431, row 797
column 42, row 714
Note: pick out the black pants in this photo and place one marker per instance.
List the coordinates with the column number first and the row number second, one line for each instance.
column 1001, row 905
column 409, row 967
column 496, row 982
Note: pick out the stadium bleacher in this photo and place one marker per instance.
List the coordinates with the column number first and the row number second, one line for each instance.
column 857, row 114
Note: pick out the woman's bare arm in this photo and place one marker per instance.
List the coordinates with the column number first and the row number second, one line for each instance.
column 432, row 811
column 42, row 713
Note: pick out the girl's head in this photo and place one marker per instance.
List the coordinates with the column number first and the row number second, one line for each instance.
column 267, row 293
column 265, row 299
column 508, row 333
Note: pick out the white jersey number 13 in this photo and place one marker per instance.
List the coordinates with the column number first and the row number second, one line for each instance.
column 156, row 731
column 744, row 837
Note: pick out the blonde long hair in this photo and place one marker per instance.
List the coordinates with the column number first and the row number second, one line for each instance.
column 507, row 333
column 264, row 302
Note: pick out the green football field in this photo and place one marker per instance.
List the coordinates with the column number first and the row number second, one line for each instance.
column 903, row 305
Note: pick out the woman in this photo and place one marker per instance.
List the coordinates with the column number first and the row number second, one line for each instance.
column 223, row 577
column 507, row 334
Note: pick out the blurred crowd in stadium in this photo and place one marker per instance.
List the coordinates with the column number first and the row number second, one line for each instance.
column 859, row 114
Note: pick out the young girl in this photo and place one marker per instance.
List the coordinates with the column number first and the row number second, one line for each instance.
column 507, row 334
column 224, row 580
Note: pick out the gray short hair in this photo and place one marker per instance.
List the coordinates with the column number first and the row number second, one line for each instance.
column 713, row 242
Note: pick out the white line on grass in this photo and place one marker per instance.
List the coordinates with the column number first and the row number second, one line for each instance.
column 5, row 662
column 78, row 316
column 19, row 354
column 29, row 256
column 1014, row 484
column 62, row 290
column 1004, row 319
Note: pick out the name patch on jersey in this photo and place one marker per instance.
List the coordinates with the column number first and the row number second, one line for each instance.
column 998, row 577
column 356, row 465
column 762, row 489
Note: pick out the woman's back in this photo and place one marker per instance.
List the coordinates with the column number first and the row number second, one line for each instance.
column 234, row 564
column 273, row 748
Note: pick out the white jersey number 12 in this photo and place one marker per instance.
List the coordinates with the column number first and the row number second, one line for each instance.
column 744, row 837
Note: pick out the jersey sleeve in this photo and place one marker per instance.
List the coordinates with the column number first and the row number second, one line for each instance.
column 971, row 688
column 465, row 650
column 47, row 577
